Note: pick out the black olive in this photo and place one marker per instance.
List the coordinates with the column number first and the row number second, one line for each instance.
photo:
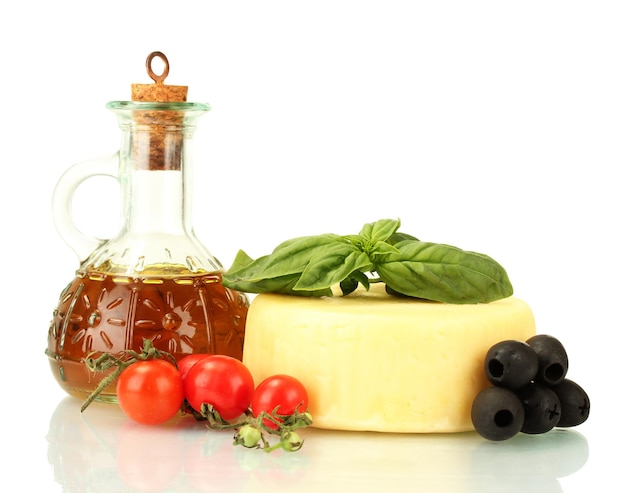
column 575, row 403
column 553, row 361
column 542, row 408
column 497, row 414
column 511, row 364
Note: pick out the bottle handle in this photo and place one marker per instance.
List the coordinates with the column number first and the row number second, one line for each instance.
column 82, row 244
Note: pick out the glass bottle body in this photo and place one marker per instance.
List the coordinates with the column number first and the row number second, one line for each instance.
column 154, row 280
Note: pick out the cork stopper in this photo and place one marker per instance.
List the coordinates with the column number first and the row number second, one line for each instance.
column 158, row 92
column 157, row 140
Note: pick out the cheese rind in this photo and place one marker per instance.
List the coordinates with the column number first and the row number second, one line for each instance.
column 376, row 362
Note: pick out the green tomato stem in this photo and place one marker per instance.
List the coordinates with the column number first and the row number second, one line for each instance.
column 106, row 361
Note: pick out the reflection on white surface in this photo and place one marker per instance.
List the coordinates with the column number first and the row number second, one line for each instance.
column 101, row 450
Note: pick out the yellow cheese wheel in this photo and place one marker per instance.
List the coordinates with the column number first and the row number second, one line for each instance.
column 376, row 362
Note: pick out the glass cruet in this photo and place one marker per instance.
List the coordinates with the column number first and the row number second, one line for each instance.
column 154, row 280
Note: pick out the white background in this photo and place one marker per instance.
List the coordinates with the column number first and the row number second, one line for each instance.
column 494, row 126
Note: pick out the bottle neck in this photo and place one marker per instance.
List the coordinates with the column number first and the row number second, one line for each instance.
column 155, row 180
column 157, row 237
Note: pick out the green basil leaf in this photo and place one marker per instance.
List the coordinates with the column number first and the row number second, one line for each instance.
column 290, row 257
column 444, row 273
column 380, row 230
column 397, row 237
column 361, row 278
column 348, row 285
column 357, row 240
column 281, row 284
column 294, row 255
column 242, row 260
column 246, row 275
column 383, row 248
column 244, row 271
column 351, row 283
column 331, row 266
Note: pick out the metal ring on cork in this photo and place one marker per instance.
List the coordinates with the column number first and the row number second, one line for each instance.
column 159, row 92
column 166, row 69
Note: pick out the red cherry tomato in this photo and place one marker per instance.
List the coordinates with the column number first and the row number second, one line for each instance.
column 281, row 392
column 187, row 362
column 222, row 381
column 150, row 392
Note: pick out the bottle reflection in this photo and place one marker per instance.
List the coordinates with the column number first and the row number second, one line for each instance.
column 102, row 450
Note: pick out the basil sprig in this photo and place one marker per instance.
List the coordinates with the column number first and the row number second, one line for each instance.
column 311, row 265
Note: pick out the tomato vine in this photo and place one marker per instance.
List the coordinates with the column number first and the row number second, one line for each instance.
column 254, row 427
